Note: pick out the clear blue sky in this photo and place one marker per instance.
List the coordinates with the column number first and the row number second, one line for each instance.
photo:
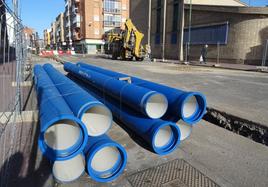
column 39, row 14
column 256, row 2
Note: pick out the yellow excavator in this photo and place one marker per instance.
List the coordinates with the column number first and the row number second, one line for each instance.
column 126, row 43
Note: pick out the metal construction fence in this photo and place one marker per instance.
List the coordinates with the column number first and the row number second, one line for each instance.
column 13, row 57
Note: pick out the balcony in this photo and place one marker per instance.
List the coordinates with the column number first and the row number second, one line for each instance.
column 111, row 11
column 76, row 25
column 111, row 24
column 76, row 35
column 76, row 19
column 76, row 1
column 75, row 10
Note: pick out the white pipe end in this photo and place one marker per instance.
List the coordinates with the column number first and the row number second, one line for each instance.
column 163, row 136
column 156, row 106
column 97, row 119
column 62, row 135
column 69, row 170
column 185, row 129
column 105, row 159
column 190, row 106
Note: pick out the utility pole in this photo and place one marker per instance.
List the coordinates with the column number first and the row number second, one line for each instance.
column 189, row 33
column 149, row 23
column 182, row 32
column 164, row 30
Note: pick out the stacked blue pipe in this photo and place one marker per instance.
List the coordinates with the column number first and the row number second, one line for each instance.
column 62, row 135
column 96, row 116
column 189, row 107
column 161, row 136
column 58, row 96
column 146, row 101
column 103, row 159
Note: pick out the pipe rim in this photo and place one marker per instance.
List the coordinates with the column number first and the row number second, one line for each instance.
column 171, row 144
column 66, row 154
column 200, row 109
column 185, row 130
column 78, row 176
column 153, row 111
column 117, row 168
column 90, row 106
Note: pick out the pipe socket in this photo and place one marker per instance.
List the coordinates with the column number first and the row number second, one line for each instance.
column 105, row 158
column 97, row 119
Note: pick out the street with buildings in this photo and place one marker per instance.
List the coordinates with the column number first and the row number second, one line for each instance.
column 217, row 48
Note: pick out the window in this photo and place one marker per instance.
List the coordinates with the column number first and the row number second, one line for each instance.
column 175, row 22
column 158, row 17
column 112, row 6
column 157, row 39
column 96, row 18
column 212, row 34
column 175, row 15
column 111, row 20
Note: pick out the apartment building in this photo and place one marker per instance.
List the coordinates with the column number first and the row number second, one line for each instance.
column 87, row 20
column 53, row 36
column 59, row 31
column 47, row 38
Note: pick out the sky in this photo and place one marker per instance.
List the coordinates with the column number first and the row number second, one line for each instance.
column 39, row 14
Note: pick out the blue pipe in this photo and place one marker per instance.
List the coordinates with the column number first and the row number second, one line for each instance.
column 82, row 103
column 146, row 101
column 105, row 158
column 178, row 100
column 55, row 113
column 149, row 130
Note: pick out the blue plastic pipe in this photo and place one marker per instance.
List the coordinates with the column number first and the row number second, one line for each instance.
column 55, row 117
column 105, row 158
column 146, row 101
column 96, row 116
column 161, row 136
column 187, row 106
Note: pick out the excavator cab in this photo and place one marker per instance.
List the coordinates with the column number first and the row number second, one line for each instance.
column 127, row 44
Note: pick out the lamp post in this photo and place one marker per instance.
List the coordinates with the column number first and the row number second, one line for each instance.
column 164, row 30
column 189, row 33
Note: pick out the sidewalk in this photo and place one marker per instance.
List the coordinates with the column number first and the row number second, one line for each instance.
column 242, row 67
column 230, row 66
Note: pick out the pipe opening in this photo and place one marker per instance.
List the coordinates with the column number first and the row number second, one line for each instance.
column 106, row 162
column 166, row 138
column 69, row 170
column 97, row 119
column 156, row 106
column 190, row 107
column 63, row 135
column 163, row 137
column 185, row 130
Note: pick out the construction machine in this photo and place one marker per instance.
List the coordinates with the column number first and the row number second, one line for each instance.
column 126, row 43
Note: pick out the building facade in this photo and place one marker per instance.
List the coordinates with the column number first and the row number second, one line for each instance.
column 53, row 43
column 47, row 41
column 59, row 31
column 233, row 34
column 85, row 22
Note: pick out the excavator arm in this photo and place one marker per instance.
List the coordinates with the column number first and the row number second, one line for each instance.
column 130, row 32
